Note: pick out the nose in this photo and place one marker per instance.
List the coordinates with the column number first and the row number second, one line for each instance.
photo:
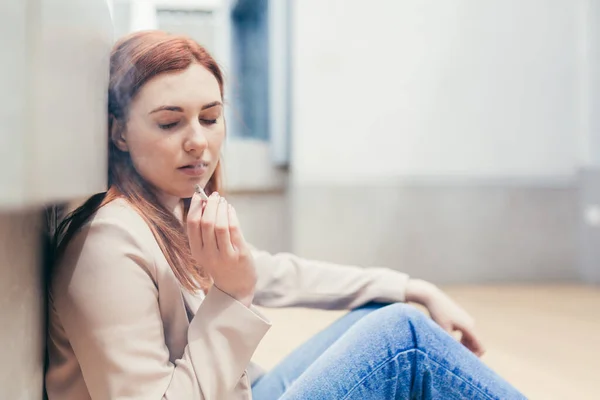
column 196, row 141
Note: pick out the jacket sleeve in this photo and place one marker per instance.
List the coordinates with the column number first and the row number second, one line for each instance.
column 285, row 280
column 107, row 301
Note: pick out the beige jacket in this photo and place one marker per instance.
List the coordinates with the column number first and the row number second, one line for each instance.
column 121, row 326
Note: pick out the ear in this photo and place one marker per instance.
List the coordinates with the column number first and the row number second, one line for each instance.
column 117, row 134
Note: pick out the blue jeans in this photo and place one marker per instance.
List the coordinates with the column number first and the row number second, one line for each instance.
column 382, row 352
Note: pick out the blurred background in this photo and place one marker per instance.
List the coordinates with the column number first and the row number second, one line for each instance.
column 457, row 141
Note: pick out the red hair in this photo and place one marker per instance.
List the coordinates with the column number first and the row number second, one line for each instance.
column 135, row 60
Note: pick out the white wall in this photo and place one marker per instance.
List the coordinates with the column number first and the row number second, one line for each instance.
column 590, row 144
column 469, row 88
column 53, row 100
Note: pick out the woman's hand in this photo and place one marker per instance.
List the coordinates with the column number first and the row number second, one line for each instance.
column 217, row 244
column 445, row 312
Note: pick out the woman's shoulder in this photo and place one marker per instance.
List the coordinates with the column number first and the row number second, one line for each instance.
column 120, row 210
column 115, row 231
column 113, row 251
column 118, row 219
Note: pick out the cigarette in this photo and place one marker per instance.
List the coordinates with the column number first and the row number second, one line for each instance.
column 200, row 191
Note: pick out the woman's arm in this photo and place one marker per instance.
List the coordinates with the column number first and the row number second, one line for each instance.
column 107, row 301
column 286, row 280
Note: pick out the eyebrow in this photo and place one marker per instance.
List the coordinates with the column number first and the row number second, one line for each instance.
column 211, row 105
column 179, row 109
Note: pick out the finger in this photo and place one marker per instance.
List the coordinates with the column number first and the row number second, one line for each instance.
column 194, row 216
column 235, row 231
column 470, row 341
column 207, row 222
column 445, row 325
column 467, row 342
column 222, row 227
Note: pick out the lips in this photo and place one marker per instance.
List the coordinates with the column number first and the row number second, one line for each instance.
column 193, row 166
column 194, row 169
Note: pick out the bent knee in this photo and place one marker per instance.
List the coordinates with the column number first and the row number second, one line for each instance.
column 403, row 318
column 396, row 327
column 404, row 312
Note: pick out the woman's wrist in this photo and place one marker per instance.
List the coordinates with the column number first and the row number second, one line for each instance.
column 246, row 297
column 420, row 291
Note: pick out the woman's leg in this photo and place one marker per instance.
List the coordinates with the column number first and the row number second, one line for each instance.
column 396, row 352
column 274, row 383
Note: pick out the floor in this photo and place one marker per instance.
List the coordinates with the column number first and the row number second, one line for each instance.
column 543, row 339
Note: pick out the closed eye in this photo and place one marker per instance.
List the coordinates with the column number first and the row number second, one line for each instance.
column 168, row 126
column 209, row 121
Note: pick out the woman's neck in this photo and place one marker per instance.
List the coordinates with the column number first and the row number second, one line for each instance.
column 172, row 204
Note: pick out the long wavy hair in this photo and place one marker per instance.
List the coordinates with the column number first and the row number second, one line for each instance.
column 134, row 60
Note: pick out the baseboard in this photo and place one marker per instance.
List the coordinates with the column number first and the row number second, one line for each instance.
column 445, row 233
column 589, row 225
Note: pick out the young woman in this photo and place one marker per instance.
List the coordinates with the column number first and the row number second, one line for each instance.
column 153, row 288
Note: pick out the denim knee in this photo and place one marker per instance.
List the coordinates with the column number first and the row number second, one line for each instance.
column 402, row 325
column 403, row 314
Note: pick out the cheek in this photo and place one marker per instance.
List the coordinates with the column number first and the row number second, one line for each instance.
column 215, row 141
column 151, row 154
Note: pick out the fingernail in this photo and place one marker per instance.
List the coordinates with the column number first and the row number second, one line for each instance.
column 222, row 200
column 214, row 194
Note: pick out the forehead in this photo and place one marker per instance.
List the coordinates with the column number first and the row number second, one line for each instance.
column 192, row 87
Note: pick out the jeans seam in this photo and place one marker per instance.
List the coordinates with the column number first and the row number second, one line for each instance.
column 376, row 369
column 385, row 362
column 474, row 386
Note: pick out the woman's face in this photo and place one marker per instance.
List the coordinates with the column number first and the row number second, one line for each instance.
column 175, row 130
